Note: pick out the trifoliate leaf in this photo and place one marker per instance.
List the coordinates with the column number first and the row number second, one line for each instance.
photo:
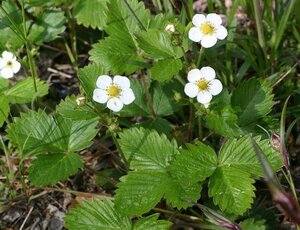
column 223, row 122
column 164, row 70
column 251, row 101
column 70, row 109
column 4, row 109
column 36, row 132
column 48, row 25
column 91, row 13
column 96, row 215
column 88, row 77
column 122, row 24
column 24, row 91
column 194, row 164
column 49, row 169
column 147, row 150
column 239, row 153
column 159, row 124
column 151, row 223
column 157, row 44
column 253, row 224
column 116, row 54
column 231, row 189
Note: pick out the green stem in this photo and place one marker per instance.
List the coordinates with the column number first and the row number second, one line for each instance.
column 135, row 16
column 7, row 159
column 200, row 54
column 148, row 97
column 259, row 25
column 120, row 150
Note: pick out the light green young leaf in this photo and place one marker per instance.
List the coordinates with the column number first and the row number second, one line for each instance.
column 239, row 153
column 151, row 223
column 24, row 91
column 69, row 109
column 36, row 132
column 164, row 70
column 157, row 44
column 49, row 169
column 3, row 84
column 251, row 101
column 88, row 77
column 223, row 122
column 4, row 109
column 96, row 215
column 116, row 54
column 231, row 189
column 91, row 13
column 253, row 224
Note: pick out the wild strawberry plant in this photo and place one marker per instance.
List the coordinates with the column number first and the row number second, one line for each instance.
column 186, row 97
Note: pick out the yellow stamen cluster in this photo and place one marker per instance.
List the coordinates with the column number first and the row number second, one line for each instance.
column 207, row 28
column 202, row 84
column 113, row 91
column 9, row 64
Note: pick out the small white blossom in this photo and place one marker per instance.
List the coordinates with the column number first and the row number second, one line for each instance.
column 170, row 28
column 116, row 92
column 8, row 65
column 203, row 85
column 207, row 29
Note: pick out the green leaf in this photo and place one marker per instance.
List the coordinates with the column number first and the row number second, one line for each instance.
column 252, row 100
column 223, row 122
column 163, row 99
column 146, row 149
column 151, row 223
column 116, row 54
column 37, row 132
column 253, row 224
column 48, row 25
column 157, row 44
column 3, row 84
column 239, row 153
column 91, row 13
column 139, row 107
column 164, row 70
column 161, row 125
column 24, row 91
column 4, row 109
column 231, row 189
column 69, row 109
column 88, row 77
column 121, row 22
column 49, row 169
column 194, row 164
column 96, row 215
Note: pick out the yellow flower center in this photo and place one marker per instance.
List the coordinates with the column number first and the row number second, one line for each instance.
column 113, row 91
column 9, row 64
column 207, row 28
column 202, row 85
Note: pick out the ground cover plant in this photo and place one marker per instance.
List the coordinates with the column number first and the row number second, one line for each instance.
column 157, row 114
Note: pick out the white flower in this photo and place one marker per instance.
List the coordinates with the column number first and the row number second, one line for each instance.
column 207, row 29
column 8, row 65
column 116, row 92
column 203, row 85
column 170, row 28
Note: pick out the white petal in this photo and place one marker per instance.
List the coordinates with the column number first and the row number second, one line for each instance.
column 191, row 90
column 121, row 81
column 221, row 32
column 198, row 19
column 195, row 34
column 194, row 75
column 206, row 105
column 7, row 55
column 215, row 87
column 103, row 81
column 6, row 73
column 100, row 95
column 127, row 96
column 214, row 19
column 208, row 41
column 2, row 63
column 204, row 97
column 115, row 104
column 16, row 67
column 208, row 73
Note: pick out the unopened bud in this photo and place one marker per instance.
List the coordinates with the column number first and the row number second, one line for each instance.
column 276, row 144
column 275, row 141
column 170, row 28
column 80, row 101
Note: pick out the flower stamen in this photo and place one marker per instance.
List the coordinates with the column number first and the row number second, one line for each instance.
column 9, row 64
column 207, row 28
column 113, row 91
column 202, row 84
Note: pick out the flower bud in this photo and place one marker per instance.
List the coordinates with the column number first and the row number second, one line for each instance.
column 80, row 101
column 170, row 28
